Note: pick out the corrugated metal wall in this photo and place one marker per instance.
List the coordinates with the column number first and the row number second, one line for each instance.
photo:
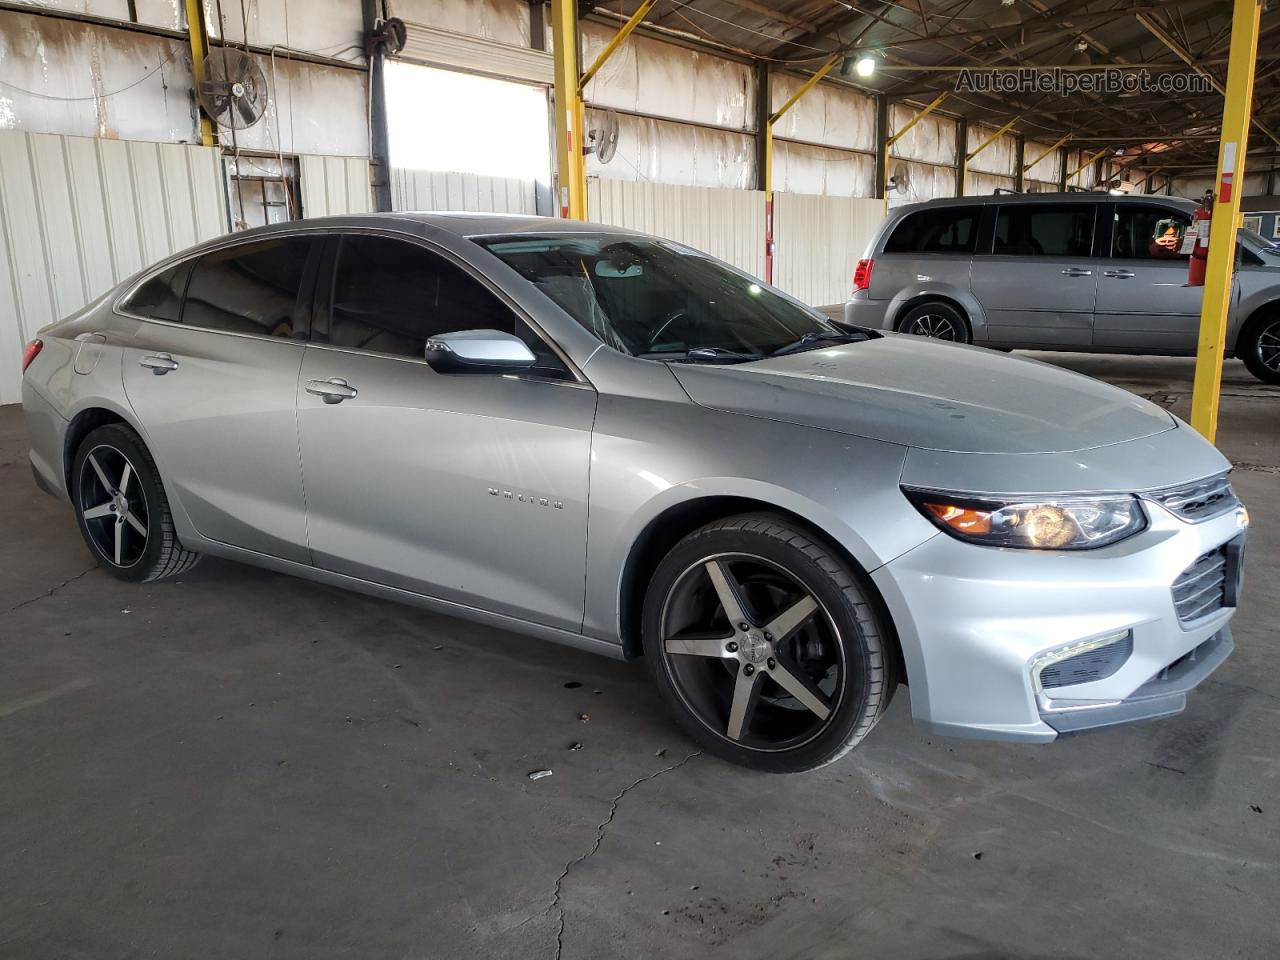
column 818, row 241
column 728, row 224
column 79, row 214
column 435, row 190
column 334, row 185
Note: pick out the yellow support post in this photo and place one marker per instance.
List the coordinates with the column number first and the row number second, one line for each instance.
column 1057, row 143
column 199, row 52
column 932, row 106
column 805, row 87
column 570, row 115
column 1216, row 305
column 964, row 167
column 642, row 11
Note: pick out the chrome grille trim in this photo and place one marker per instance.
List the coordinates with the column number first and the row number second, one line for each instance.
column 1199, row 500
column 1202, row 588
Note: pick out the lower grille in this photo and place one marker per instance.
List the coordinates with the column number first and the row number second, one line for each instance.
column 1088, row 666
column 1209, row 584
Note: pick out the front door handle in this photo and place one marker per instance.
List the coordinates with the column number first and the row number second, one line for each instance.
column 333, row 390
column 158, row 363
column 1119, row 274
column 1076, row 272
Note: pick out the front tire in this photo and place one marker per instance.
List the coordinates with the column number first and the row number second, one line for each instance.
column 937, row 321
column 771, row 651
column 122, row 509
column 1259, row 348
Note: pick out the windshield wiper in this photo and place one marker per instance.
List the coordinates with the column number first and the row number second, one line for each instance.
column 716, row 355
column 818, row 338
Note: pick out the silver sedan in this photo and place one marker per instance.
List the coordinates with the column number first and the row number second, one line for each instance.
column 616, row 442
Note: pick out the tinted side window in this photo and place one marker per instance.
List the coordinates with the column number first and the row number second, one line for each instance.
column 391, row 296
column 1148, row 233
column 250, row 288
column 160, row 298
column 1039, row 230
column 941, row 230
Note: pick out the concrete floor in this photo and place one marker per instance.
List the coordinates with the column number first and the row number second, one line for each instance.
column 244, row 765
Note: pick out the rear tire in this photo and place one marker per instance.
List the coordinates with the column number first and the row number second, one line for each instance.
column 769, row 648
column 122, row 509
column 1259, row 347
column 936, row 320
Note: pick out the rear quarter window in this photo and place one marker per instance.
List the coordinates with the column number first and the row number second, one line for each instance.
column 938, row 230
column 160, row 297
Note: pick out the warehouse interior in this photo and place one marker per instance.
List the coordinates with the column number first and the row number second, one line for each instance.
column 240, row 763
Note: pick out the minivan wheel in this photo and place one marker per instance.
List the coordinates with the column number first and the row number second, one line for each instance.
column 936, row 320
column 122, row 508
column 1259, row 348
column 770, row 649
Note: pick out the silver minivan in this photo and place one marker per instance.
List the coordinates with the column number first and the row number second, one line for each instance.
column 1061, row 271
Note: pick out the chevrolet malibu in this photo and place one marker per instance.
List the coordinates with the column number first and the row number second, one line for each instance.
column 617, row 442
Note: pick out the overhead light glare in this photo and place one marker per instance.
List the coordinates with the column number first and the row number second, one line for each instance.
column 865, row 66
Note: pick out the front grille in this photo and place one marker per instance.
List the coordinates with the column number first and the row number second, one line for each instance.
column 1209, row 584
column 1088, row 666
column 1199, row 500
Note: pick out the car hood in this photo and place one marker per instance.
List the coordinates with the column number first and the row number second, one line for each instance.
column 931, row 395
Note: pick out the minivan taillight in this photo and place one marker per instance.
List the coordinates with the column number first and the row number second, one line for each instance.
column 862, row 275
column 30, row 353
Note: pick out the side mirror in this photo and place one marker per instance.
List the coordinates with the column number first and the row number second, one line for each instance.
column 478, row 351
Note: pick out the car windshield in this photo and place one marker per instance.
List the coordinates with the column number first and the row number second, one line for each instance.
column 660, row 300
column 1259, row 242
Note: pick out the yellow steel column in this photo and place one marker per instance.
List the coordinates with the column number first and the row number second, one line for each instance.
column 1216, row 306
column 1059, row 142
column 570, row 116
column 199, row 51
column 1073, row 173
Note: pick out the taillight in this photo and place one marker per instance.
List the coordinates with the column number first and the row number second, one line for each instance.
column 30, row 353
column 862, row 274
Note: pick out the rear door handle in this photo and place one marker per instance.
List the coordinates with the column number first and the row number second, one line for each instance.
column 1077, row 272
column 333, row 390
column 158, row 363
column 1119, row 274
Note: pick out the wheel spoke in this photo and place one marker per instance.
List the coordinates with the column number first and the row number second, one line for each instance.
column 786, row 622
column 124, row 477
column 119, row 541
column 746, row 693
column 728, row 592
column 136, row 523
column 98, row 512
column 697, row 644
column 801, row 690
column 106, row 484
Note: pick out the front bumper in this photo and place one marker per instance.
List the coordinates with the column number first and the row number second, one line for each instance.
column 975, row 624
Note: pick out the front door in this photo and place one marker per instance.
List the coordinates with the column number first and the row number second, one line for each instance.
column 1037, row 283
column 467, row 487
column 1144, row 303
column 213, row 378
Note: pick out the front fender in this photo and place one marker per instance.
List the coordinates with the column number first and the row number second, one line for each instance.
column 847, row 487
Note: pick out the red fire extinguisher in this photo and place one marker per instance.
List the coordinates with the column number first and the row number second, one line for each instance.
column 1200, row 252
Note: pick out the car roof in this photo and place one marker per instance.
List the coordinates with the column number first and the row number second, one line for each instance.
column 1076, row 196
column 458, row 223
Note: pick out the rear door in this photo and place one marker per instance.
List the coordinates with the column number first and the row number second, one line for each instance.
column 1144, row 303
column 1038, row 281
column 214, row 386
column 929, row 251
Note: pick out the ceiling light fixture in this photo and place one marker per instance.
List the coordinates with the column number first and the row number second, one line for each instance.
column 1006, row 15
column 1080, row 57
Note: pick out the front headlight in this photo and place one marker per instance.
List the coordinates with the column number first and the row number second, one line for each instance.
column 1052, row 523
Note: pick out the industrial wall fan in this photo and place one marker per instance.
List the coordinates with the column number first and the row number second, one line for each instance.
column 602, row 139
column 900, row 179
column 234, row 91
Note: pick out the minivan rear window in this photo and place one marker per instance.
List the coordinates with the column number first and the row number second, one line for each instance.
column 936, row 230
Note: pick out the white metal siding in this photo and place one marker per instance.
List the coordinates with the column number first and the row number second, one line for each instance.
column 78, row 215
column 817, row 243
column 439, row 190
column 334, row 185
column 728, row 224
